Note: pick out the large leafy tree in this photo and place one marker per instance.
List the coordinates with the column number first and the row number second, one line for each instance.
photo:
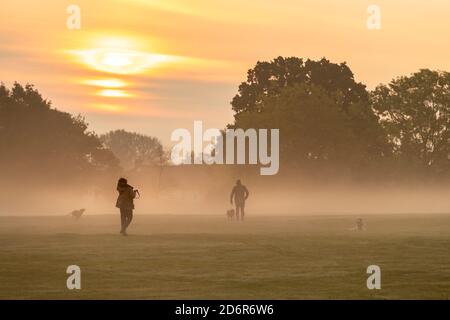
column 415, row 112
column 322, row 112
column 41, row 142
column 134, row 149
column 313, row 129
column 267, row 79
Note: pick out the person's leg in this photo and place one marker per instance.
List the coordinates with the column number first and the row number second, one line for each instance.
column 237, row 212
column 123, row 220
column 242, row 211
column 130, row 217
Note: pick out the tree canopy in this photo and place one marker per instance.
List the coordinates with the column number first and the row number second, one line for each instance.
column 43, row 142
column 267, row 79
column 323, row 114
column 415, row 114
column 134, row 149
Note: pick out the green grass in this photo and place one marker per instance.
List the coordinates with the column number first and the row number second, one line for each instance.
column 206, row 257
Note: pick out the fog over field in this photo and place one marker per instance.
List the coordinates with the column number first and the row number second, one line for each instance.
column 209, row 194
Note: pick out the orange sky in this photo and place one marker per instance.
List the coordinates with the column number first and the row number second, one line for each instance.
column 153, row 66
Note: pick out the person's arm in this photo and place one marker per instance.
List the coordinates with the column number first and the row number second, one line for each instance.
column 246, row 193
column 131, row 193
column 232, row 195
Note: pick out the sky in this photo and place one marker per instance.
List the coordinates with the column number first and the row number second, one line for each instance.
column 152, row 66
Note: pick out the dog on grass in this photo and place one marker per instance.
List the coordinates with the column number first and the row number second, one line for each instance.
column 230, row 214
column 77, row 213
column 359, row 226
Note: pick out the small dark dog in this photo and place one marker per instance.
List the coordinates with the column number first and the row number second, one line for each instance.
column 360, row 225
column 77, row 213
column 230, row 214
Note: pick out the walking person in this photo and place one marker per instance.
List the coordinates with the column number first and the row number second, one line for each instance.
column 125, row 202
column 239, row 194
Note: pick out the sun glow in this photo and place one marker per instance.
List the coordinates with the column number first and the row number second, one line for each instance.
column 121, row 61
column 114, row 93
column 120, row 56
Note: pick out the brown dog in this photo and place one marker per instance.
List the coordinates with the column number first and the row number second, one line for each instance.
column 77, row 213
column 230, row 214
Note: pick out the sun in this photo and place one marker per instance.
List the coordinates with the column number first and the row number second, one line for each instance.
column 120, row 56
column 117, row 59
column 121, row 61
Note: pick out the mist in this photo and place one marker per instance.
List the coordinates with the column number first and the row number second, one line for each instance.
column 205, row 190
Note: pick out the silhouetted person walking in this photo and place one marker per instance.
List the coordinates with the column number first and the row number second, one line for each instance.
column 125, row 203
column 239, row 194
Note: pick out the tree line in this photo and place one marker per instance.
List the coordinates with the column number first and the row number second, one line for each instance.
column 327, row 121
column 40, row 144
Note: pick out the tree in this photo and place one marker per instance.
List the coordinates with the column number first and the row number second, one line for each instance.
column 313, row 130
column 266, row 79
column 134, row 149
column 321, row 111
column 415, row 112
column 43, row 142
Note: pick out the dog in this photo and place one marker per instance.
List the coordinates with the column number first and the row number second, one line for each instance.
column 77, row 213
column 359, row 226
column 230, row 214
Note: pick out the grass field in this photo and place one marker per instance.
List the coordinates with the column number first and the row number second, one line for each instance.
column 206, row 257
